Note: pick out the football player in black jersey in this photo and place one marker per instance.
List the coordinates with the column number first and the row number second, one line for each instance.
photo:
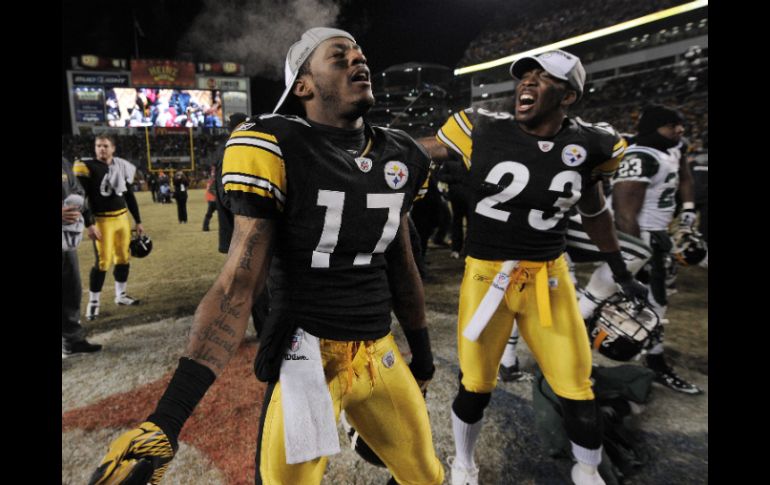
column 107, row 182
column 526, row 170
column 323, row 195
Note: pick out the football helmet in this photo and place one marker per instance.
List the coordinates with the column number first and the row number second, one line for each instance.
column 689, row 247
column 621, row 328
column 140, row 246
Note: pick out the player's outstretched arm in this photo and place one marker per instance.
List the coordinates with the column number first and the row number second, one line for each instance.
column 438, row 152
column 143, row 454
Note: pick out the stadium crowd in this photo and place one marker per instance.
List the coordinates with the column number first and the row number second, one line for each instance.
column 518, row 29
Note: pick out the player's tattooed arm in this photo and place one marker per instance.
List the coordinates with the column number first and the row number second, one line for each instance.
column 222, row 316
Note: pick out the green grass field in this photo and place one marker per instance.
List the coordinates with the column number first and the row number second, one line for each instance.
column 173, row 278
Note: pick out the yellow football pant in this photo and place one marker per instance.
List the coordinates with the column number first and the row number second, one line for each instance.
column 561, row 349
column 116, row 235
column 381, row 399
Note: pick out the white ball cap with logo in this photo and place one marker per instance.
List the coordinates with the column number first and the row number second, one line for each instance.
column 300, row 51
column 559, row 64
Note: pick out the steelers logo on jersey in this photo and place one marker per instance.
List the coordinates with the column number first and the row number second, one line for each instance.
column 573, row 155
column 364, row 164
column 396, row 174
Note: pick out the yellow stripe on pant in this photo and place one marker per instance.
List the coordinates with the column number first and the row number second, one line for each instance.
column 116, row 235
column 381, row 399
column 559, row 341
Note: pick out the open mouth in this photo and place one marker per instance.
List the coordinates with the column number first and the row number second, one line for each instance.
column 525, row 102
column 361, row 75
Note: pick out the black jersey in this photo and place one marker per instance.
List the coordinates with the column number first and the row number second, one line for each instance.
column 92, row 175
column 522, row 185
column 336, row 214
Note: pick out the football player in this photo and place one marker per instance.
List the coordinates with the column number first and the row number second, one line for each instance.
column 527, row 170
column 328, row 194
column 107, row 181
column 73, row 339
column 644, row 190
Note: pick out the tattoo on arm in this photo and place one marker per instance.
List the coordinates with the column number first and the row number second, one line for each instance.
column 226, row 307
column 203, row 354
column 245, row 262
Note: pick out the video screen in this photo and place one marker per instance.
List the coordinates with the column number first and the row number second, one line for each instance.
column 89, row 104
column 163, row 107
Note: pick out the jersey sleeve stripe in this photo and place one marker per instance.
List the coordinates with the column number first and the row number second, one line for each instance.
column 255, row 142
column 80, row 169
column 463, row 122
column 610, row 166
column 448, row 142
column 249, row 165
column 249, row 183
column 254, row 134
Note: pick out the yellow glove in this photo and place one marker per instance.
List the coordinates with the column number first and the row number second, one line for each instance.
column 137, row 457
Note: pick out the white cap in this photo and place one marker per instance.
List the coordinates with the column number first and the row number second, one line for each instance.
column 300, row 51
column 559, row 64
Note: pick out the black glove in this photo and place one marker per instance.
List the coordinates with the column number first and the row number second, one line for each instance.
column 137, row 457
column 633, row 289
column 422, row 376
column 628, row 284
column 422, row 358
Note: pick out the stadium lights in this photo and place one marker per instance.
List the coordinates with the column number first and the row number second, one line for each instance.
column 653, row 17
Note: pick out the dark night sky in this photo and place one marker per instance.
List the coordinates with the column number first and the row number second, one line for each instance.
column 390, row 32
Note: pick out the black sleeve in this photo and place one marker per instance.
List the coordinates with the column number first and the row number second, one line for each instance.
column 133, row 207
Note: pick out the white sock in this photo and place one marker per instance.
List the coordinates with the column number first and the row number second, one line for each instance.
column 589, row 458
column 120, row 288
column 94, row 296
column 465, row 436
column 509, row 355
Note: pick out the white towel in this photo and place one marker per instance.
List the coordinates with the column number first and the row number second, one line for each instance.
column 310, row 430
column 120, row 172
column 490, row 302
column 72, row 234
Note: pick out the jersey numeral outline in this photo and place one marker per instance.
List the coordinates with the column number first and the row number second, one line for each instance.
column 630, row 167
column 334, row 201
column 520, row 173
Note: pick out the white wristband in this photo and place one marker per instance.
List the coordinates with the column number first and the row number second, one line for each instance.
column 604, row 208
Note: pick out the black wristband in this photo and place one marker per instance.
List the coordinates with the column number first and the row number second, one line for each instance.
column 190, row 382
column 618, row 267
column 422, row 356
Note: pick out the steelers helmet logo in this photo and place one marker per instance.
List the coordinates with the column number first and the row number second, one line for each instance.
column 573, row 155
column 396, row 174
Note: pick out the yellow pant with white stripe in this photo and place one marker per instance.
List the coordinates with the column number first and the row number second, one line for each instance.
column 381, row 399
column 561, row 349
column 116, row 235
